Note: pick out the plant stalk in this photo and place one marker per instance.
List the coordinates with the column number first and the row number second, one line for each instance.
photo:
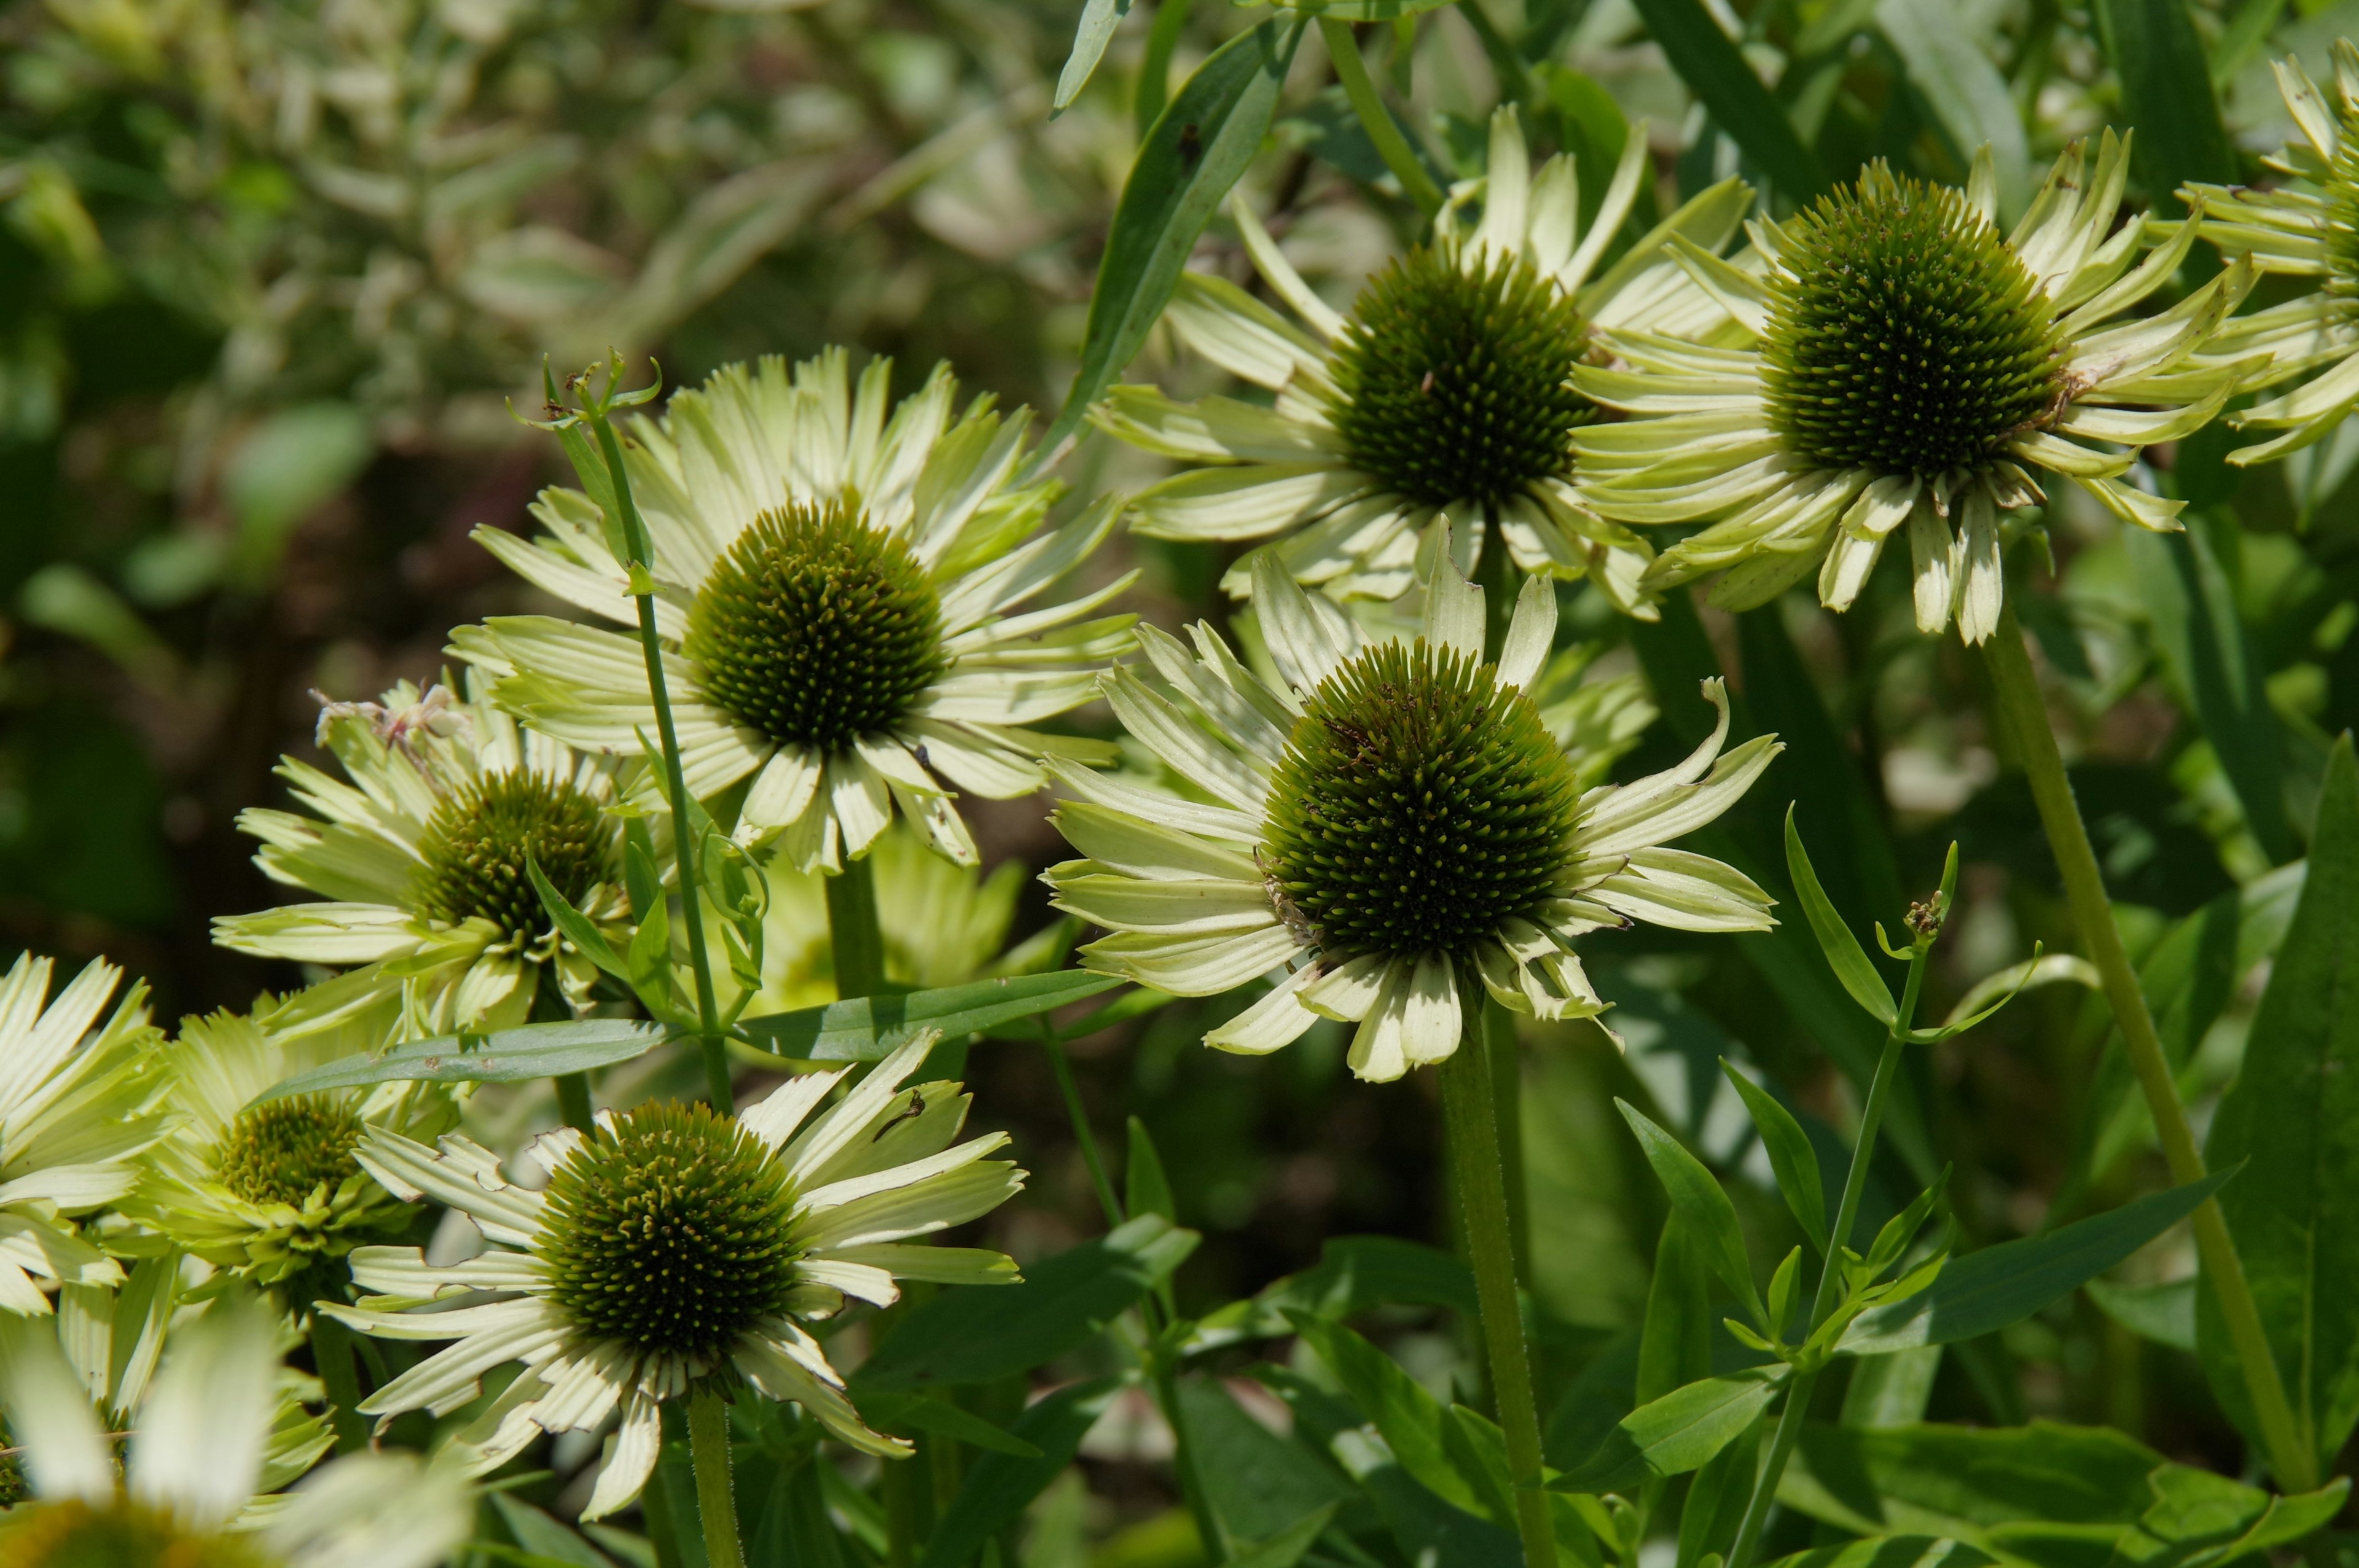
column 685, row 848
column 550, row 1006
column 331, row 1357
column 1352, row 70
column 1805, row 1382
column 852, row 929
column 2025, row 716
column 716, row 1499
column 1470, row 1111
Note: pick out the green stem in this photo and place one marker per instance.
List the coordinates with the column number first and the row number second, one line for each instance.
column 716, row 1499
column 550, row 1006
column 1352, row 70
column 1473, row 1134
column 1155, row 69
column 853, row 928
column 2025, row 715
column 1154, row 1311
column 1507, row 1109
column 1806, row 1381
column 685, row 847
column 331, row 1357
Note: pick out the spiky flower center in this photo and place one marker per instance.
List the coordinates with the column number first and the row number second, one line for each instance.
column 669, row 1229
column 815, row 627
column 1419, row 804
column 1905, row 336
column 120, row 1534
column 475, row 847
column 1453, row 379
column 284, row 1151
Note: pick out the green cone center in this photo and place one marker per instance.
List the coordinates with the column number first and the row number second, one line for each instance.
column 1419, row 804
column 284, row 1151
column 76, row 1534
column 1453, row 379
column 1905, row 336
column 816, row 628
column 669, row 1231
column 474, row 851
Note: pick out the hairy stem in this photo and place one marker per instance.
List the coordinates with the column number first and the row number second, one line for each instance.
column 1468, row 1107
column 684, row 843
column 1352, row 70
column 2025, row 715
column 716, row 1499
column 852, row 927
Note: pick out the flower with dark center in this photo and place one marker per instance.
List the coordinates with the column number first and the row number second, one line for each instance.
column 670, row 1229
column 421, row 854
column 2306, row 228
column 217, row 1426
column 475, row 852
column 1908, row 364
column 838, row 580
column 1446, row 390
column 673, row 1247
column 271, row 1190
column 1392, row 825
column 1453, row 381
column 816, row 628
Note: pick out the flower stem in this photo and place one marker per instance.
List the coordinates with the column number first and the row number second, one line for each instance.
column 331, row 1357
column 550, row 1006
column 684, row 843
column 1822, row 1302
column 2025, row 715
column 1376, row 119
column 1471, row 1112
column 853, row 928
column 716, row 1499
column 1152, row 1311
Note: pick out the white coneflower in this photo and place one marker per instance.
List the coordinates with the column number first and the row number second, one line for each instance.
column 1390, row 823
column 1910, row 365
column 421, row 864
column 1447, row 391
column 672, row 1247
column 76, row 1109
column 838, row 593
column 188, row 1496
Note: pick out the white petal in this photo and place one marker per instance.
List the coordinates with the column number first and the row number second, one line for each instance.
column 50, row 1414
column 632, row 1458
column 1531, row 635
column 1275, row 1020
column 1431, row 1025
column 198, row 1452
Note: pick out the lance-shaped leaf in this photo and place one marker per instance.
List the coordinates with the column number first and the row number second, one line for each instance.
column 1677, row 1433
column 574, row 925
column 1696, row 1193
column 871, row 1028
column 1791, row 1159
column 998, row 1488
column 503, row 1056
column 1844, row 955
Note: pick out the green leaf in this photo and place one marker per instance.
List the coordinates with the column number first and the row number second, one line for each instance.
column 1677, row 1433
column 1099, row 19
column 2191, row 602
column 1675, row 1343
column 2167, row 94
column 870, row 1028
column 1145, row 1190
column 1967, row 1482
column 1891, row 1552
column 1844, row 955
column 1951, row 69
column 973, row 1334
column 1203, row 142
column 1363, row 10
column 503, row 1056
column 999, row 1486
column 1891, row 1390
column 2164, row 1313
column 2292, row 1116
column 1716, row 1500
column 2199, row 1519
column 1791, row 1159
column 905, row 1415
column 1353, row 1273
column 1414, row 1424
column 1262, row 1485
column 1696, row 1193
column 1286, row 1548
column 574, row 924
column 544, row 1537
column 793, row 1526
column 1708, row 60
column 648, row 959
column 1987, row 1290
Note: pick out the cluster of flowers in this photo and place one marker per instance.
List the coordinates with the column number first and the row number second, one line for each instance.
column 1366, row 806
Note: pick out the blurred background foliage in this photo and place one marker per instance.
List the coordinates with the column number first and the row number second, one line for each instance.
column 269, row 273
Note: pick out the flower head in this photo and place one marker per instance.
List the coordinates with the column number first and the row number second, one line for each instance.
column 1907, row 363
column 77, row 1107
column 1447, row 391
column 835, row 588
column 196, row 1463
column 1392, row 822
column 274, row 1191
column 2308, row 228
column 421, row 860
column 671, row 1246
